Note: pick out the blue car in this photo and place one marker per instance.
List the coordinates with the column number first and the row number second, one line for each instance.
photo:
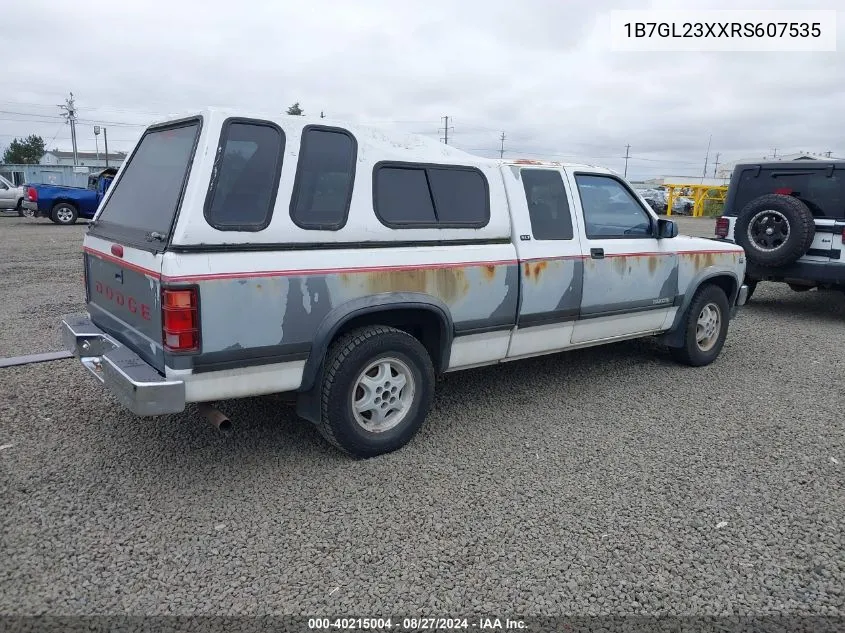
column 65, row 205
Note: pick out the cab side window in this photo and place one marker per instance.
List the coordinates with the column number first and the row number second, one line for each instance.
column 610, row 210
column 548, row 206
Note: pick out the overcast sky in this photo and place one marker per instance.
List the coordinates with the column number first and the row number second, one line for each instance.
column 542, row 71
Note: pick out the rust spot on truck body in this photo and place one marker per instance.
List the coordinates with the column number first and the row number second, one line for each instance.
column 448, row 284
column 535, row 269
column 620, row 264
column 700, row 260
column 489, row 272
column 652, row 263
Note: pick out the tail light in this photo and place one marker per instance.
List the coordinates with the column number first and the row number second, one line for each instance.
column 31, row 194
column 722, row 226
column 784, row 191
column 180, row 320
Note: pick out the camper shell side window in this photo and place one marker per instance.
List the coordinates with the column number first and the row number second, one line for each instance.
column 417, row 195
column 245, row 176
column 325, row 177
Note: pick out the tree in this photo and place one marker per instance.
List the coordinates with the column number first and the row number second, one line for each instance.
column 295, row 110
column 26, row 151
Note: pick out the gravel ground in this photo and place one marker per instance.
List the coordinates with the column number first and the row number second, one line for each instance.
column 41, row 280
column 607, row 480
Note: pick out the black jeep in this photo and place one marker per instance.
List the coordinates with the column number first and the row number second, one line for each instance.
column 789, row 216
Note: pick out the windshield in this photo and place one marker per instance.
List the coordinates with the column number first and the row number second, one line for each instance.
column 147, row 194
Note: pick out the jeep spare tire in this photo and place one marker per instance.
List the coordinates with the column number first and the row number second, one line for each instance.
column 775, row 229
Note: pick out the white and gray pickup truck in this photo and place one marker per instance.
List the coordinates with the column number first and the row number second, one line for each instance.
column 236, row 256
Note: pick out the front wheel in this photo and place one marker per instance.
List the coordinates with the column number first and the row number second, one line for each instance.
column 705, row 327
column 377, row 390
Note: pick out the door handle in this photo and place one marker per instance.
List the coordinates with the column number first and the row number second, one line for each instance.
column 597, row 253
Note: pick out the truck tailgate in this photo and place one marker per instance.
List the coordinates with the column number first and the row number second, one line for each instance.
column 124, row 301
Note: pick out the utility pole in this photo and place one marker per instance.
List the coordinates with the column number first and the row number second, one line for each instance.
column 446, row 129
column 775, row 153
column 70, row 114
column 828, row 154
column 706, row 158
column 716, row 165
column 322, row 116
column 502, row 149
column 627, row 156
column 106, row 140
column 96, row 140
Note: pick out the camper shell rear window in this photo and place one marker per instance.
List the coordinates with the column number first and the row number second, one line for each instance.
column 146, row 197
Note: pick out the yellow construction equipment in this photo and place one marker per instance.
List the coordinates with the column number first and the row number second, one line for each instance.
column 699, row 193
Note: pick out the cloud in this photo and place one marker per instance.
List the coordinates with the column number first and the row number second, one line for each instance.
column 541, row 71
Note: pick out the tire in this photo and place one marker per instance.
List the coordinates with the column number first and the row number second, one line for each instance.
column 775, row 230
column 19, row 208
column 752, row 286
column 349, row 359
column 64, row 213
column 697, row 353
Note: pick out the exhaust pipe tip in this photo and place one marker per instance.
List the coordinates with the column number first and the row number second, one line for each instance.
column 225, row 426
column 217, row 418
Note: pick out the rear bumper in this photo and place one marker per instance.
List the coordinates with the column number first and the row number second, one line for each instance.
column 816, row 272
column 137, row 386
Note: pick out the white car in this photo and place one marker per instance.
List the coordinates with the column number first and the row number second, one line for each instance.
column 235, row 256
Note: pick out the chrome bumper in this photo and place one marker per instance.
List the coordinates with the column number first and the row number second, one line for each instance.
column 742, row 295
column 137, row 386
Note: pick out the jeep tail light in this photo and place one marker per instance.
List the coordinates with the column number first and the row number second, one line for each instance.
column 180, row 320
column 31, row 194
column 722, row 226
column 784, row 191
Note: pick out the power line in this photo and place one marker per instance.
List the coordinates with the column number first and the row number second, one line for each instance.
column 445, row 128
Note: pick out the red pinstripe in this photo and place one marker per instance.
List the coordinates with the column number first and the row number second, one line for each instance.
column 369, row 269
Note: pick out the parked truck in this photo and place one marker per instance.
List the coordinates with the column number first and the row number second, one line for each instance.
column 11, row 196
column 237, row 256
column 65, row 205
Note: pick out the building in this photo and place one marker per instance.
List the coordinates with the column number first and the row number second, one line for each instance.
column 65, row 175
column 684, row 180
column 85, row 159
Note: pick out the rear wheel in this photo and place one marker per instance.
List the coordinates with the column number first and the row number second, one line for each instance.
column 64, row 213
column 705, row 327
column 377, row 390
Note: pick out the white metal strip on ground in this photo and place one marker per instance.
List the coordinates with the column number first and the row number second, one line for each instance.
column 14, row 361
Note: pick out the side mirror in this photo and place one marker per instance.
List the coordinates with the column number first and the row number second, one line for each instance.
column 666, row 229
